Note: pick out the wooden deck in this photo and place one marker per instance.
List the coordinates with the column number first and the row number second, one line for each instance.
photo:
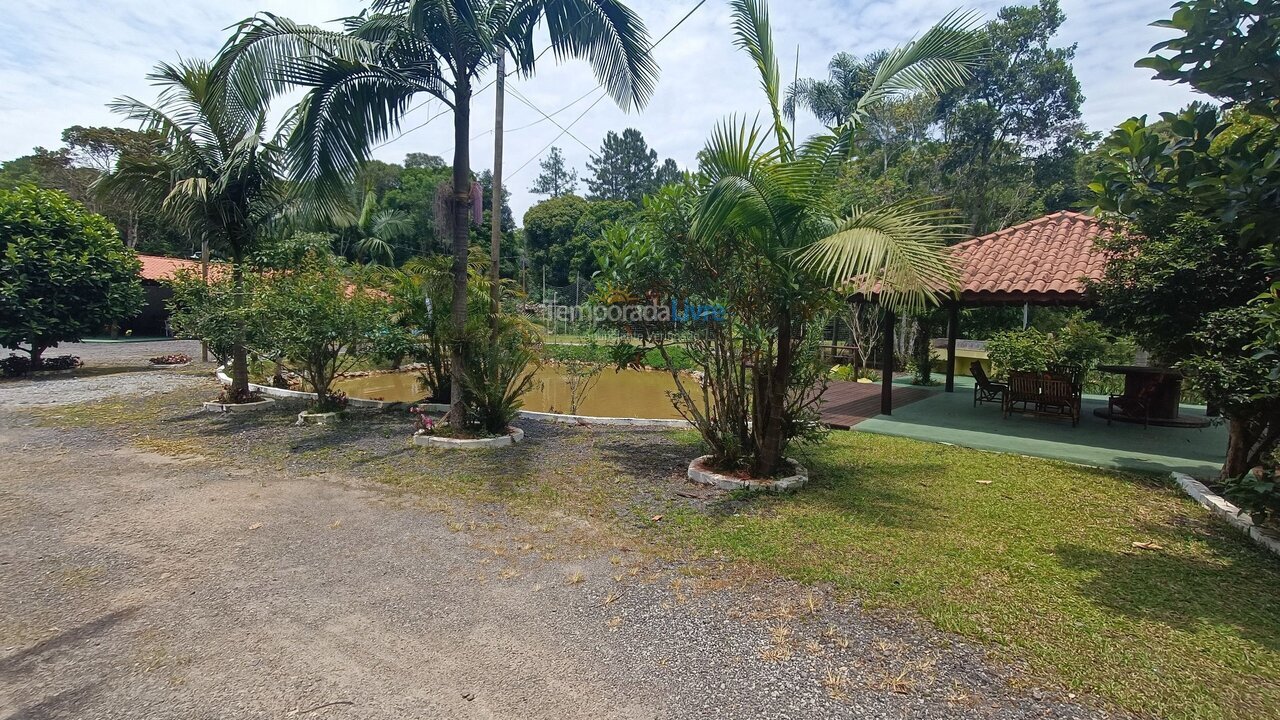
column 846, row 404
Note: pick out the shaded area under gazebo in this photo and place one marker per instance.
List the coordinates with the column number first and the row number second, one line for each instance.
column 1043, row 262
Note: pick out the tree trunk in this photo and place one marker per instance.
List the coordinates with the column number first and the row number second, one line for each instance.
column 1239, row 446
column 768, row 455
column 36, row 352
column 461, row 240
column 239, row 354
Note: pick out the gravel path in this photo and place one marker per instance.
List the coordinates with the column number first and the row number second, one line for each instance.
column 135, row 584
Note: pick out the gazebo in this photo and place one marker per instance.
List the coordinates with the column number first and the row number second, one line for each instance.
column 1040, row 262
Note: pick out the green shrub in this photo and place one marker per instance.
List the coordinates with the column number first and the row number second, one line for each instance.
column 1021, row 350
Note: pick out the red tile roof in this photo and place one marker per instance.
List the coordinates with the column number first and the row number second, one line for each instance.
column 162, row 269
column 1043, row 260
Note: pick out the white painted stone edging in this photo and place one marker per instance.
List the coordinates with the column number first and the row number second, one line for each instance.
column 162, row 366
column 1224, row 509
column 514, row 436
column 262, row 404
column 312, row 418
column 283, row 394
column 594, row 420
column 51, row 373
column 728, row 482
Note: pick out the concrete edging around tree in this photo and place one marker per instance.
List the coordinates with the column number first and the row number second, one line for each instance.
column 1225, row 510
column 699, row 473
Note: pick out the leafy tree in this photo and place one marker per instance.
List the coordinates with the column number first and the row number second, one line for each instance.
column 321, row 318
column 1016, row 125
column 1219, row 168
column 624, row 169
column 219, row 177
column 424, row 161
column 549, row 226
column 668, row 173
column 555, row 179
column 762, row 211
column 362, row 80
column 63, row 272
column 415, row 196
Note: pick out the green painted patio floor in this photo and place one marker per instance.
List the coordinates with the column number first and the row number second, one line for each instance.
column 951, row 418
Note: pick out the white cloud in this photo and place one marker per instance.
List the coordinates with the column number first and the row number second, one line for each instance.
column 63, row 61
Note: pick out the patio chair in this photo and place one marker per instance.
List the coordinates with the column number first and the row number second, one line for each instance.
column 984, row 390
column 1023, row 393
column 1135, row 405
column 1073, row 374
column 1059, row 397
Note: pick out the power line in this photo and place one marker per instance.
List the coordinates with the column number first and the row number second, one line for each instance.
column 597, row 100
column 528, row 103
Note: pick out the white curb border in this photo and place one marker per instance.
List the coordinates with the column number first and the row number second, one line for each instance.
column 1219, row 506
column 158, row 366
column 310, row 418
column 728, row 482
column 447, row 443
column 594, row 420
column 282, row 394
column 218, row 407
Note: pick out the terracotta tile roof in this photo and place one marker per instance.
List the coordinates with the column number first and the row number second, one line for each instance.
column 1042, row 260
column 161, row 269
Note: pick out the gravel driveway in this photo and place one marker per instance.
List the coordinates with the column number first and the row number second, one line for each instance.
column 135, row 584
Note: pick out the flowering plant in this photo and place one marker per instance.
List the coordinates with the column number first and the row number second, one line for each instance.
column 423, row 422
column 174, row 359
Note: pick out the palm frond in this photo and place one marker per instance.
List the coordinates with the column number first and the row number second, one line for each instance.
column 941, row 59
column 897, row 251
column 250, row 61
column 605, row 33
column 753, row 34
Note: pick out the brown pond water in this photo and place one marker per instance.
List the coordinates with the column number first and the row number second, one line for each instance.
column 624, row 393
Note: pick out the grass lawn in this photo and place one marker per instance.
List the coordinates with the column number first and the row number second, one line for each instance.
column 1034, row 556
column 1040, row 561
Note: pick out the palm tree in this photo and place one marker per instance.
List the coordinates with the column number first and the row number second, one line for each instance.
column 376, row 231
column 363, row 78
column 217, row 177
column 773, row 197
column 831, row 100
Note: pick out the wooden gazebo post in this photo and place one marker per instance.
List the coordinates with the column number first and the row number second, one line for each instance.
column 886, row 364
column 953, row 332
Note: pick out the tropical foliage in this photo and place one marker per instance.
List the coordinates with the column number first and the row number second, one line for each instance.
column 362, row 79
column 64, row 273
column 321, row 318
column 219, row 178
column 759, row 210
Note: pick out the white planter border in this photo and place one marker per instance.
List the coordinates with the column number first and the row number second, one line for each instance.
column 283, row 394
column 1224, row 509
column 447, row 443
column 218, row 407
column 158, row 366
column 594, row 420
column 51, row 373
column 728, row 482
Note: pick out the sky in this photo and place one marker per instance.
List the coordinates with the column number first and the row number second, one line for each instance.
column 63, row 60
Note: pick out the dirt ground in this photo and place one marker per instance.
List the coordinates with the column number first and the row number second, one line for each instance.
column 137, row 581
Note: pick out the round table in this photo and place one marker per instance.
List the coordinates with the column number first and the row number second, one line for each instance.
column 1165, row 399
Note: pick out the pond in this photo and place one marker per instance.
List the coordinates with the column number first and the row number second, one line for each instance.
column 622, row 393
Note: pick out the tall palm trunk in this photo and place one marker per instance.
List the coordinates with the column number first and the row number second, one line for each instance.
column 771, row 399
column 239, row 354
column 461, row 239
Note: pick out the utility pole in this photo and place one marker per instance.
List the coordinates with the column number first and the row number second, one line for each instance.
column 495, row 219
